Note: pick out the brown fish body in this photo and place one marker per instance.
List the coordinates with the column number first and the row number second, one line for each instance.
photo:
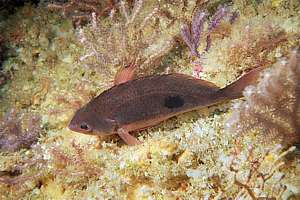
column 144, row 102
column 153, row 97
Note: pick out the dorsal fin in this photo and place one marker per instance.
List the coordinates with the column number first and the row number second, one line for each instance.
column 200, row 81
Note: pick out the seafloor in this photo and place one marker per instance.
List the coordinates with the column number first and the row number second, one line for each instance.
column 57, row 56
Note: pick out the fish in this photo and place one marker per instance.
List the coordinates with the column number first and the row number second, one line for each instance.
column 137, row 104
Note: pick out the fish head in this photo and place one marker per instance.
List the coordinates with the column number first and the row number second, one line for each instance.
column 87, row 121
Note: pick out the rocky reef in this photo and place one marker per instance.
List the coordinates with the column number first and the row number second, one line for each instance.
column 60, row 55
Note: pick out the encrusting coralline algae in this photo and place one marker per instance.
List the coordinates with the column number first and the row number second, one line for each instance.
column 189, row 157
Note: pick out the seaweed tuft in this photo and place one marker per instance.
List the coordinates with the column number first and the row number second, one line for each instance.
column 81, row 11
column 15, row 134
column 139, row 36
column 273, row 106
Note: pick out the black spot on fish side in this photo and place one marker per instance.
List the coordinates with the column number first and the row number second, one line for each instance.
column 173, row 102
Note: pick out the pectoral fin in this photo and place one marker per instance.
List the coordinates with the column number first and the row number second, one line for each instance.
column 127, row 138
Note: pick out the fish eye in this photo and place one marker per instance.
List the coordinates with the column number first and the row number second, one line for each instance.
column 84, row 126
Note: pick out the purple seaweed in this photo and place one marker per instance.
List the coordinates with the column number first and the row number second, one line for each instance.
column 191, row 34
column 215, row 22
column 197, row 26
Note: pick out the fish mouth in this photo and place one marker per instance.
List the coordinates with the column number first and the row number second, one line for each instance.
column 73, row 127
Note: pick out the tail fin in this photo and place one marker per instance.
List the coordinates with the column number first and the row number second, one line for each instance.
column 235, row 89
